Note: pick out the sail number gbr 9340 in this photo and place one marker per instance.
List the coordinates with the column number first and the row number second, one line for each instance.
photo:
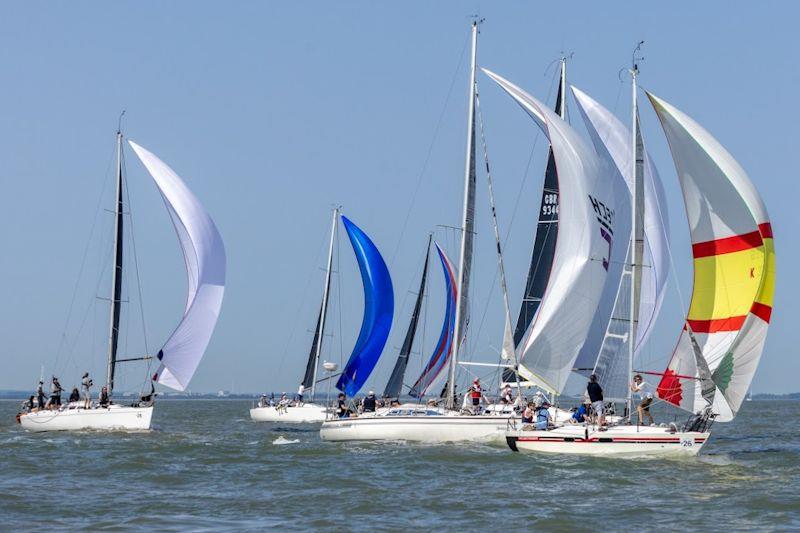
column 550, row 204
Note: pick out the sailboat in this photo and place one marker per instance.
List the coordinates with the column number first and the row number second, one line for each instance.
column 590, row 201
column 306, row 412
column 179, row 357
column 725, row 329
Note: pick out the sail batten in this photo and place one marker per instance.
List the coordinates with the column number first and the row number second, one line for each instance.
column 204, row 258
column 378, row 311
column 734, row 272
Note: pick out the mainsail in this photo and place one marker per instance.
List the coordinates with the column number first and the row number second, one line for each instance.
column 544, row 245
column 378, row 311
column 441, row 354
column 734, row 272
column 204, row 257
column 612, row 139
column 593, row 216
column 395, row 384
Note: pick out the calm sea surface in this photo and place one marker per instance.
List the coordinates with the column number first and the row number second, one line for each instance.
column 206, row 466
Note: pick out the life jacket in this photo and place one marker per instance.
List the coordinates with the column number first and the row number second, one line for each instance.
column 476, row 391
column 542, row 416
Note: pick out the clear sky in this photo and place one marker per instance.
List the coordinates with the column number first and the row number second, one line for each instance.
column 272, row 112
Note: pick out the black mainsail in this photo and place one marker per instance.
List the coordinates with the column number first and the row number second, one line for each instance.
column 116, row 273
column 544, row 247
column 395, row 384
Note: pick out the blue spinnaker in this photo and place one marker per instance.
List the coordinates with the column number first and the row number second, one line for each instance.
column 378, row 311
column 444, row 348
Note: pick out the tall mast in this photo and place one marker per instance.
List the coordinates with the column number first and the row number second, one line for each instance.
column 562, row 110
column 116, row 273
column 637, row 229
column 467, row 226
column 326, row 290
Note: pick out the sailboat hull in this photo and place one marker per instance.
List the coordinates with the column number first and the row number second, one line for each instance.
column 305, row 414
column 616, row 441
column 113, row 418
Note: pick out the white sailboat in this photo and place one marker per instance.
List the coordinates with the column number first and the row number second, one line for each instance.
column 588, row 201
column 721, row 343
column 305, row 412
column 204, row 255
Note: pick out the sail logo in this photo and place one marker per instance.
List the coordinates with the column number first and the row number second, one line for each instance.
column 605, row 216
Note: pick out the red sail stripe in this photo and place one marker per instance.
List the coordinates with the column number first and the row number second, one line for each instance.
column 715, row 325
column 728, row 245
column 762, row 311
column 766, row 230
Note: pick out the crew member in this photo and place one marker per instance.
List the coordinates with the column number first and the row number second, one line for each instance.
column 369, row 403
column 595, row 392
column 641, row 389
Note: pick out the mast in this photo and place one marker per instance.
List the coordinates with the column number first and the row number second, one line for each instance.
column 562, row 108
column 395, row 384
column 637, row 229
column 323, row 311
column 467, row 226
column 116, row 273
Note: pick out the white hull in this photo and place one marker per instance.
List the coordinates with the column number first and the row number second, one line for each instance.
column 115, row 417
column 432, row 425
column 306, row 414
column 616, row 441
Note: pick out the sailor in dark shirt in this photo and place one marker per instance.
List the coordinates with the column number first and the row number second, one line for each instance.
column 595, row 392
column 369, row 403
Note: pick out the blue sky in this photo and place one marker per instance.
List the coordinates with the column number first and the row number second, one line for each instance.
column 272, row 112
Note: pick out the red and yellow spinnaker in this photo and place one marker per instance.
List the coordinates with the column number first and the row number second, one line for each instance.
column 734, row 271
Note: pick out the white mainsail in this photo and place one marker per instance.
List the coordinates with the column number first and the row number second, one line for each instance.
column 613, row 139
column 204, row 256
column 594, row 213
column 734, row 272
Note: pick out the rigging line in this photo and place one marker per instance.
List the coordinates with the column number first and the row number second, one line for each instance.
column 339, row 289
column 514, row 210
column 430, row 151
column 104, row 182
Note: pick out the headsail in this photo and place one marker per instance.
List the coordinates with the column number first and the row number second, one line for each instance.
column 544, row 245
column 378, row 311
column 593, row 213
column 613, row 139
column 734, row 271
column 444, row 347
column 204, row 256
column 395, row 384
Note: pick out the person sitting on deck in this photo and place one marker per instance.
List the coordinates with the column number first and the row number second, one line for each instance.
column 507, row 397
column 641, row 389
column 543, row 419
column 283, row 403
column 341, row 406
column 104, row 400
column 581, row 414
column 369, row 403
column 74, row 396
column 528, row 413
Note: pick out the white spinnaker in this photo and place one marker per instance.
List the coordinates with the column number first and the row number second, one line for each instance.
column 593, row 207
column 613, row 139
column 734, row 267
column 204, row 256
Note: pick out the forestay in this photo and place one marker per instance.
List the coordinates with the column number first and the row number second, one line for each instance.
column 593, row 209
column 734, row 272
column 204, row 257
column 612, row 139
